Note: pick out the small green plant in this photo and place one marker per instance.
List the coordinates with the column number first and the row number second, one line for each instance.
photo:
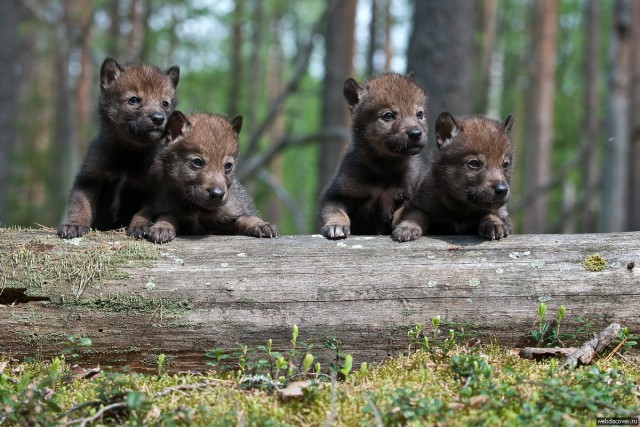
column 73, row 344
column 548, row 333
column 626, row 340
column 161, row 358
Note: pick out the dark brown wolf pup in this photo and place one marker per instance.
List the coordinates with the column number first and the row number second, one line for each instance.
column 113, row 182
column 467, row 184
column 198, row 192
column 380, row 169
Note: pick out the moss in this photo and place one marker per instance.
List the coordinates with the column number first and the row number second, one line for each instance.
column 594, row 262
column 134, row 304
column 51, row 266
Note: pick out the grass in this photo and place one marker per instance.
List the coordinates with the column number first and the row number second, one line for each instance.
column 444, row 384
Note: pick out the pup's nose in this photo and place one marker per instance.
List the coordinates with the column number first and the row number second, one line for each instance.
column 414, row 133
column 157, row 118
column 216, row 193
column 501, row 189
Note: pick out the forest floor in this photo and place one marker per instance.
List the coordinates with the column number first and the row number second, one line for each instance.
column 440, row 383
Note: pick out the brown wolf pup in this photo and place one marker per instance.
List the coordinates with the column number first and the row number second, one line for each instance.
column 198, row 192
column 113, row 182
column 380, row 169
column 467, row 183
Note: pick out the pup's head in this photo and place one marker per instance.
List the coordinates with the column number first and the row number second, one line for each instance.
column 136, row 100
column 389, row 114
column 200, row 157
column 475, row 159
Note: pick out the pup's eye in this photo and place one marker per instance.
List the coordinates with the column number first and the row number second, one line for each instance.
column 165, row 104
column 506, row 164
column 197, row 162
column 474, row 164
column 420, row 115
column 228, row 167
column 134, row 100
column 388, row 116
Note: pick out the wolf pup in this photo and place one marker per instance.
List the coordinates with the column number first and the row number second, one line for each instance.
column 380, row 169
column 113, row 182
column 467, row 183
column 198, row 192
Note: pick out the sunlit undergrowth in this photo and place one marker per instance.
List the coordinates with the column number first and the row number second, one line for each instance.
column 452, row 385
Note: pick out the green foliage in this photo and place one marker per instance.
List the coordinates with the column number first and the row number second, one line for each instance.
column 548, row 333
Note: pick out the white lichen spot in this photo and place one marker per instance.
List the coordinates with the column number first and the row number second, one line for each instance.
column 224, row 265
column 474, row 282
column 544, row 298
column 432, row 283
column 207, row 284
column 242, row 255
column 499, row 270
column 526, row 253
column 178, row 260
column 431, row 257
column 356, row 247
column 514, row 255
column 75, row 241
column 150, row 285
column 537, row 264
column 469, row 300
column 317, row 235
column 341, row 244
column 482, row 259
column 615, row 265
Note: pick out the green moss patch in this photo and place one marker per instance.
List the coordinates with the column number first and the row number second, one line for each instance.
column 594, row 262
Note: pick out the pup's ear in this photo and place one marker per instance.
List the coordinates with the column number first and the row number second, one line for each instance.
column 446, row 129
column 508, row 124
column 174, row 74
column 236, row 124
column 176, row 126
column 352, row 92
column 109, row 72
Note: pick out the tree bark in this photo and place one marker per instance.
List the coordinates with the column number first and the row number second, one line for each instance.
column 365, row 293
column 235, row 55
column 10, row 19
column 442, row 54
column 539, row 133
column 591, row 125
column 615, row 179
column 634, row 158
column 339, row 50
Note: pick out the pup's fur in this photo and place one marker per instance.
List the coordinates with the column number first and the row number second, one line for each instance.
column 380, row 169
column 113, row 183
column 467, row 184
column 198, row 192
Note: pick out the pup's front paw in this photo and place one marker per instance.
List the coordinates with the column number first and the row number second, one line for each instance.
column 139, row 229
column 263, row 230
column 69, row 231
column 406, row 231
column 336, row 231
column 493, row 228
column 161, row 232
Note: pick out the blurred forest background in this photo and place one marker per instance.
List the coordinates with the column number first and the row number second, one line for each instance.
column 568, row 70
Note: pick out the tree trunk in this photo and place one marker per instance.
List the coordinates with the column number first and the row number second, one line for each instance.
column 339, row 42
column 537, row 168
column 634, row 158
column 442, row 54
column 10, row 19
column 138, row 300
column 615, row 179
column 236, row 69
column 591, row 125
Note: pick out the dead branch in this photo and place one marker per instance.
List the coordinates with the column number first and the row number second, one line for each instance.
column 545, row 353
column 585, row 354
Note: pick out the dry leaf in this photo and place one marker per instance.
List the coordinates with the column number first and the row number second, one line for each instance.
column 295, row 390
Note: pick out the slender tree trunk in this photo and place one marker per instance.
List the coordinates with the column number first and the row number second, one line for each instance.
column 373, row 38
column 388, row 46
column 442, row 54
column 489, row 53
column 339, row 42
column 634, row 158
column 83, row 15
column 540, row 125
column 10, row 19
column 113, row 40
column 236, row 69
column 591, row 125
column 135, row 37
column 615, row 183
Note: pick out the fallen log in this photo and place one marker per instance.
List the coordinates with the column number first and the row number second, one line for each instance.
column 136, row 300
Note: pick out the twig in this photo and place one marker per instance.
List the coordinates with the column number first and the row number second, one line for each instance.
column 83, row 421
column 374, row 409
column 585, row 354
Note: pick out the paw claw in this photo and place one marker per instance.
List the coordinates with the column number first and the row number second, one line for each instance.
column 336, row 231
column 70, row 231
